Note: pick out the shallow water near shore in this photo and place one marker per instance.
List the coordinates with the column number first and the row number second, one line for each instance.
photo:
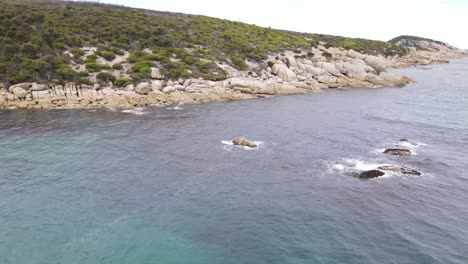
column 166, row 186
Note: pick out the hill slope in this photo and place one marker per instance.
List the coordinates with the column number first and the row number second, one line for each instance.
column 421, row 43
column 46, row 41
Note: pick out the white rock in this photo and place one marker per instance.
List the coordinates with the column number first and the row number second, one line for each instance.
column 379, row 64
column 330, row 68
column 143, row 88
column 20, row 92
column 354, row 54
column 130, row 88
column 284, row 72
column 353, row 68
column 314, row 71
column 292, row 61
column 168, row 89
column 179, row 87
column 38, row 87
column 395, row 80
column 156, row 74
column 108, row 91
column 25, row 86
column 156, row 85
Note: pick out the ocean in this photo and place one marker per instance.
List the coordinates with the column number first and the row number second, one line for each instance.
column 166, row 186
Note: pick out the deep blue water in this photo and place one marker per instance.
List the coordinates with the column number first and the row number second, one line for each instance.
column 102, row 187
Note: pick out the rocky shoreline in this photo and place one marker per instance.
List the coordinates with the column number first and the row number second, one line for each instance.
column 288, row 73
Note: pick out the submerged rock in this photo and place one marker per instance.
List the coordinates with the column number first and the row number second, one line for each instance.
column 407, row 141
column 400, row 170
column 398, row 152
column 241, row 141
column 371, row 174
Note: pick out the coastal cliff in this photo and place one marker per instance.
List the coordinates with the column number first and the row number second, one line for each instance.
column 175, row 58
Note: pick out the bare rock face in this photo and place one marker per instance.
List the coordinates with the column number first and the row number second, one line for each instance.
column 330, row 68
column 353, row 69
column 24, row 86
column 395, row 80
column 376, row 79
column 38, row 87
column 355, row 54
column 284, row 72
column 241, row 141
column 398, row 152
column 371, row 174
column 143, row 88
column 379, row 64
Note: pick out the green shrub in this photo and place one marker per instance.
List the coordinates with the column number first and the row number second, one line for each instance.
column 117, row 66
column 122, row 82
column 108, row 55
column 238, row 63
column 176, row 69
column 190, row 60
column 143, row 66
column 65, row 72
column 117, row 51
column 59, row 44
column 91, row 58
column 93, row 67
column 85, row 81
column 77, row 53
column 106, row 77
column 202, row 66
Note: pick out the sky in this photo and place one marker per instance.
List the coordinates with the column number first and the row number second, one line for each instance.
column 444, row 20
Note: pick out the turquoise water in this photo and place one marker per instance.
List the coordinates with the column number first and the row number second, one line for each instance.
column 103, row 187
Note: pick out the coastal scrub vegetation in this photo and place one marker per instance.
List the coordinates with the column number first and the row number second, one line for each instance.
column 37, row 38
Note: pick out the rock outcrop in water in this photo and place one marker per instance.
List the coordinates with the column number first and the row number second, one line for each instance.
column 398, row 152
column 371, row 174
column 379, row 172
column 400, row 170
column 241, row 141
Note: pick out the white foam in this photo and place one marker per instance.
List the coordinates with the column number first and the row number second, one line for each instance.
column 175, row 108
column 378, row 151
column 133, row 111
column 362, row 165
column 178, row 107
column 227, row 142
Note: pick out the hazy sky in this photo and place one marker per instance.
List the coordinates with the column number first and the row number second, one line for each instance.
column 445, row 20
